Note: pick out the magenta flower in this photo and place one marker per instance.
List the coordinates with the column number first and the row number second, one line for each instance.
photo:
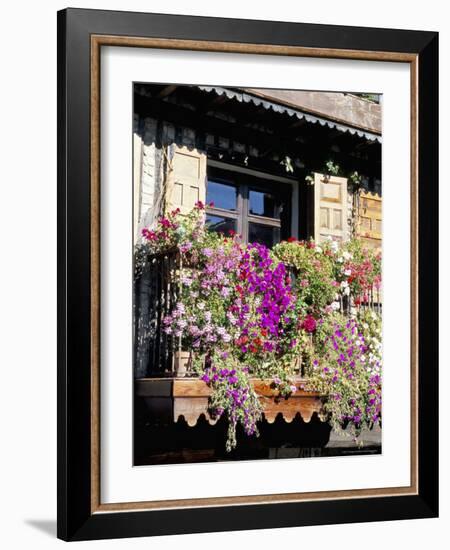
column 309, row 324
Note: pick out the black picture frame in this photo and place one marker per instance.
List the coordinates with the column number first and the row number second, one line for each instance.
column 76, row 520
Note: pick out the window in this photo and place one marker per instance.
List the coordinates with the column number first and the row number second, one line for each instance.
column 256, row 208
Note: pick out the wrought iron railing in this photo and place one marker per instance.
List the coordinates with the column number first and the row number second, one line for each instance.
column 156, row 291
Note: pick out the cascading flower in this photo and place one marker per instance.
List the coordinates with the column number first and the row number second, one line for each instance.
column 343, row 372
column 247, row 311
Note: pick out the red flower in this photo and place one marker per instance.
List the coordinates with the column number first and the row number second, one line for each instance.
column 309, row 324
column 199, row 205
column 231, row 232
column 292, row 240
column 211, row 204
column 242, row 340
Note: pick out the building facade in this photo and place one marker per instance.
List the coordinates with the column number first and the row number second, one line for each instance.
column 276, row 164
column 269, row 165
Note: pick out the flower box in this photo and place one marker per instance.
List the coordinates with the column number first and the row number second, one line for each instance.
column 181, row 362
column 169, row 399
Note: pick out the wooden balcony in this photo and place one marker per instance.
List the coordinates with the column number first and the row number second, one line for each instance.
column 169, row 399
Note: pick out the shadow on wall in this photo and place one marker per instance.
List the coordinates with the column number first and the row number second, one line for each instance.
column 46, row 526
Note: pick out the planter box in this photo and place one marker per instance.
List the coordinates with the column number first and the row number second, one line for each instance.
column 169, row 399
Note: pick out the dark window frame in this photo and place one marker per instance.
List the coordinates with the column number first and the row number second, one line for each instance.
column 244, row 183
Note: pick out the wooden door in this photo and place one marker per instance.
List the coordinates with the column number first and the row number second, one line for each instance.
column 368, row 222
column 186, row 182
column 330, row 208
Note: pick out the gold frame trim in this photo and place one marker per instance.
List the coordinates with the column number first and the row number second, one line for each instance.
column 97, row 41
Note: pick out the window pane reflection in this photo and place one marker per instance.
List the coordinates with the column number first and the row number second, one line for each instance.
column 263, row 204
column 263, row 234
column 221, row 195
column 220, row 224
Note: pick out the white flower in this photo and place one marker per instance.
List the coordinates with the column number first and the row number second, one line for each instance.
column 334, row 246
column 201, row 306
column 347, row 272
column 225, row 292
column 318, row 249
column 344, row 284
column 231, row 318
column 346, row 255
column 347, row 290
column 335, row 306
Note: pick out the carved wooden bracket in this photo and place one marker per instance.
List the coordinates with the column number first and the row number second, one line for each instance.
column 169, row 399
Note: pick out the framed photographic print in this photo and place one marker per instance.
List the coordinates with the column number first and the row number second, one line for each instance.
column 247, row 274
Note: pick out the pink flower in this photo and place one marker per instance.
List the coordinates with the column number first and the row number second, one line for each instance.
column 185, row 247
column 149, row 235
column 165, row 222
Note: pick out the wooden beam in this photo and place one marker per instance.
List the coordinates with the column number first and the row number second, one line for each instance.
column 167, row 91
column 314, row 153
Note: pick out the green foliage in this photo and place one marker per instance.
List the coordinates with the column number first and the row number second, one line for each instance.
column 313, row 274
column 332, row 168
column 347, row 369
column 248, row 312
column 355, row 178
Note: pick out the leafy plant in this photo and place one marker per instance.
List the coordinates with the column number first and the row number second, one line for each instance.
column 332, row 168
column 314, row 285
column 246, row 311
column 342, row 370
